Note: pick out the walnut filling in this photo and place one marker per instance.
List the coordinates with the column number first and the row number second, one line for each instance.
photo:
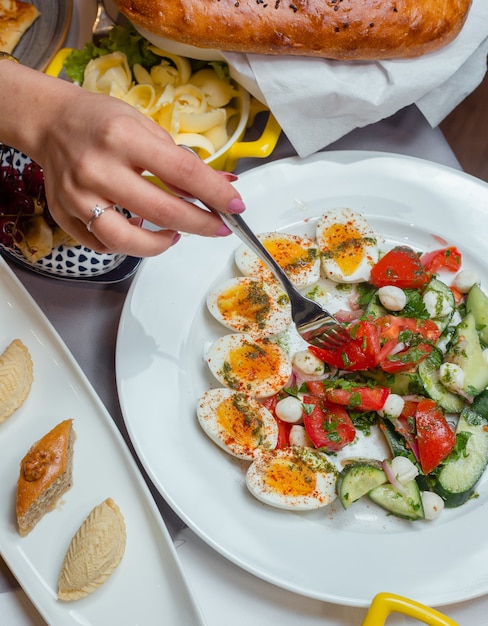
column 36, row 464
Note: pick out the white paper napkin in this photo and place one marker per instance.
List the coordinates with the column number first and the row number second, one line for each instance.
column 317, row 101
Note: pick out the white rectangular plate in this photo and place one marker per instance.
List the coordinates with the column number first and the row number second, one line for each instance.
column 149, row 584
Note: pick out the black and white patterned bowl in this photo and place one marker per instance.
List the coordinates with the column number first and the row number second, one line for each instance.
column 64, row 261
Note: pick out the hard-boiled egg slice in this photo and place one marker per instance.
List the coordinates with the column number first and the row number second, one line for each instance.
column 237, row 423
column 298, row 256
column 259, row 368
column 348, row 246
column 293, row 478
column 249, row 305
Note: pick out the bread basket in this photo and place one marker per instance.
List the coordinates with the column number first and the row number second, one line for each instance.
column 236, row 147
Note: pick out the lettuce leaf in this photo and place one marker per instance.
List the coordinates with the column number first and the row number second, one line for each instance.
column 120, row 39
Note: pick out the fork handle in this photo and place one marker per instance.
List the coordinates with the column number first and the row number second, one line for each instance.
column 239, row 227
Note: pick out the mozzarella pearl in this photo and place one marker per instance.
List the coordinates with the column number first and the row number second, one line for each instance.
column 298, row 436
column 393, row 406
column 308, row 364
column 290, row 410
column 436, row 304
column 452, row 376
column 433, row 505
column 404, row 469
column 464, row 280
column 392, row 298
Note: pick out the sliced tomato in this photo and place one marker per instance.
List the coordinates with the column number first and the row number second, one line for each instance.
column 316, row 388
column 359, row 398
column 406, row 359
column 449, row 259
column 360, row 353
column 400, row 266
column 435, row 438
column 328, row 425
column 283, row 427
column 458, row 296
column 409, row 410
column 391, row 326
column 391, row 329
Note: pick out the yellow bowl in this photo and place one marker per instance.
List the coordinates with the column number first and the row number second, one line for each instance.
column 236, row 148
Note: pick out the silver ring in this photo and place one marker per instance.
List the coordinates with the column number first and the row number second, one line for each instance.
column 97, row 212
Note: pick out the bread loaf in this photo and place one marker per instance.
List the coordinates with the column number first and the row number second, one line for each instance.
column 333, row 29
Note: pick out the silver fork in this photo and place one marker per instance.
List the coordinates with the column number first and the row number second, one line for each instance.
column 314, row 324
column 102, row 25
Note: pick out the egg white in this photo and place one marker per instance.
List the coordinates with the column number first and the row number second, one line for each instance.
column 289, row 466
column 249, row 305
column 257, row 367
column 304, row 270
column 338, row 262
column 237, row 423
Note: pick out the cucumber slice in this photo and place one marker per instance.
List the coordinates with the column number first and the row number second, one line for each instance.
column 394, row 440
column 449, row 401
column 401, row 383
column 375, row 309
column 357, row 479
column 466, row 351
column 442, row 291
column 477, row 304
column 407, row 506
column 458, row 477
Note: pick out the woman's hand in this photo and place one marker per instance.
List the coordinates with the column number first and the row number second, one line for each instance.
column 93, row 149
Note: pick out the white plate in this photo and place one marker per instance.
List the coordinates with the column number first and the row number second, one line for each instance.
column 149, row 580
column 343, row 557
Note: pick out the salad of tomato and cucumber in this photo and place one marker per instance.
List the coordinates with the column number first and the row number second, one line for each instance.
column 413, row 372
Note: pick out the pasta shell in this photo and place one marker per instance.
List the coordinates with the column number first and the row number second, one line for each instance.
column 94, row 552
column 15, row 378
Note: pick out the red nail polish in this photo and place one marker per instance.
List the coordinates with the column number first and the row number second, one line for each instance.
column 229, row 176
column 175, row 239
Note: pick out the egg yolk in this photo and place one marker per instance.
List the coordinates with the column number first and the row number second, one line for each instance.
column 290, row 478
column 242, row 424
column 289, row 254
column 345, row 246
column 252, row 362
column 246, row 300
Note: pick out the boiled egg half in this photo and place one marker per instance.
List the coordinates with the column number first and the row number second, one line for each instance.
column 237, row 423
column 348, row 246
column 258, row 368
column 248, row 305
column 292, row 478
column 298, row 256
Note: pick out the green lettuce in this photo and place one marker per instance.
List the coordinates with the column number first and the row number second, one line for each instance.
column 120, row 39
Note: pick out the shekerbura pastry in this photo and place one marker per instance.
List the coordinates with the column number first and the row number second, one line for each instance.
column 15, row 377
column 94, row 552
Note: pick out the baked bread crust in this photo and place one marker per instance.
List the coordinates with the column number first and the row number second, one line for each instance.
column 335, row 29
column 16, row 17
column 45, row 475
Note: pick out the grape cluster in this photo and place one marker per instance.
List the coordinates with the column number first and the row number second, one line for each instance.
column 22, row 194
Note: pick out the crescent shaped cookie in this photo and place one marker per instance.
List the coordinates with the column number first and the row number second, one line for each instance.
column 94, row 552
column 15, row 378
